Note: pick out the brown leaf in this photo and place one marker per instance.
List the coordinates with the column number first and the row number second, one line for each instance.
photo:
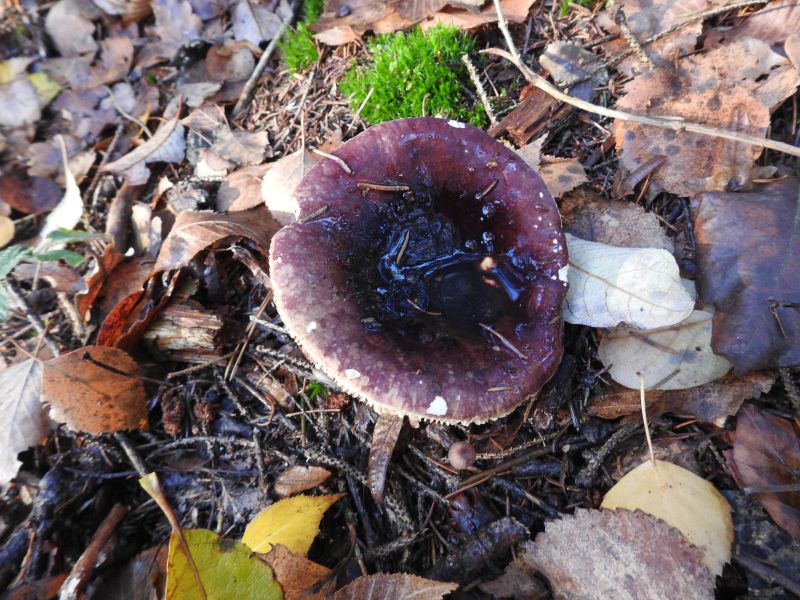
column 562, row 175
column 518, row 581
column 397, row 586
column 241, row 189
column 239, row 147
column 567, row 63
column 792, row 49
column 748, row 255
column 766, row 454
column 618, row 554
column 773, row 23
column 147, row 149
column 296, row 574
column 278, row 185
column 28, row 194
column 710, row 403
column 299, row 479
column 60, row 277
column 515, row 11
column 95, row 280
column 24, row 421
column 254, row 22
column 193, row 232
column 95, row 390
column 733, row 87
column 384, row 439
column 590, row 216
column 69, row 25
column 360, row 16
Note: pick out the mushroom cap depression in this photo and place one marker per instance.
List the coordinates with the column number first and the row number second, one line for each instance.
column 426, row 273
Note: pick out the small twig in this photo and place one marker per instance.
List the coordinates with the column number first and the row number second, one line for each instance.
column 247, row 91
column 403, row 247
column 380, row 187
column 473, row 74
column 334, row 158
column 506, row 342
column 127, row 116
column 767, row 573
column 33, row 319
column 358, row 111
column 672, row 123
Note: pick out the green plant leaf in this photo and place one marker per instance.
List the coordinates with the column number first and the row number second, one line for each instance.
column 10, row 257
column 70, row 236
column 73, row 259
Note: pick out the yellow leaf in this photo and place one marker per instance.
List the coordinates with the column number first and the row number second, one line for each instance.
column 687, row 502
column 292, row 522
column 46, row 88
column 227, row 570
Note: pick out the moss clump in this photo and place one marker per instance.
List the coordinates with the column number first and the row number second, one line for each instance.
column 411, row 69
column 299, row 49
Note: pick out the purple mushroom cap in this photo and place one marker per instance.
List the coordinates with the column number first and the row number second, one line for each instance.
column 426, row 273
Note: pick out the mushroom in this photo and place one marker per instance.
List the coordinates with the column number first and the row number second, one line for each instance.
column 426, row 273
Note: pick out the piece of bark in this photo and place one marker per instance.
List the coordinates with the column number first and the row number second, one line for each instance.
column 185, row 333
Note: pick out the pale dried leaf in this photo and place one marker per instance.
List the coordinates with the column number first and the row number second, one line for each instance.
column 397, row 586
column 240, row 147
column 254, row 22
column 19, row 103
column 567, row 63
column 732, row 87
column 337, row 36
column 532, row 153
column 637, row 286
column 683, row 500
column 69, row 211
column 6, row 230
column 792, row 49
column 95, row 389
column 599, row 554
column 562, row 176
column 384, row 439
column 176, row 23
column 24, row 421
column 241, row 189
column 69, row 25
column 515, row 11
column 669, row 358
column 299, row 479
column 774, row 23
column 591, row 217
column 140, row 154
column 278, row 185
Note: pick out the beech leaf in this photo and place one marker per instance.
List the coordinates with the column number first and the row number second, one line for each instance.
column 397, row 586
column 292, row 522
column 683, row 500
column 299, row 479
column 384, row 438
column 277, row 187
column 670, row 358
column 150, row 147
column 95, row 389
column 227, row 569
column 766, row 454
column 296, row 574
column 609, row 286
column 619, row 554
column 24, row 421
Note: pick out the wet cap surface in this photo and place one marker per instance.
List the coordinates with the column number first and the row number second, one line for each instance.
column 468, row 313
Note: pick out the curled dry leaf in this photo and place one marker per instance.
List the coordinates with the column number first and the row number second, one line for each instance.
column 712, row 402
column 619, row 554
column 148, row 149
column 591, row 217
column 638, row 286
column 24, row 421
column 562, row 175
column 299, row 479
column 278, row 185
column 297, row 575
column 669, row 358
column 193, row 232
column 384, row 439
column 766, row 456
column 398, row 586
column 683, row 500
column 237, row 147
column 732, row 87
column 95, row 389
column 748, row 254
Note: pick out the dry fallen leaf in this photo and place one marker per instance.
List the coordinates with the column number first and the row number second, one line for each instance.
column 69, row 211
column 6, row 230
column 296, row 574
column 95, row 389
column 683, row 500
column 227, row 146
column 397, row 586
column 291, row 522
column 712, row 402
column 637, row 286
column 69, row 25
column 193, row 232
column 567, row 63
column 299, row 479
column 748, row 256
column 28, row 194
column 766, row 455
column 254, row 22
column 669, row 358
column 732, row 87
column 562, row 175
column 619, row 554
column 519, row 580
column 241, row 189
column 279, row 183
column 515, row 11
column 384, row 438
column 148, row 152
column 591, row 217
column 774, row 23
column 24, row 421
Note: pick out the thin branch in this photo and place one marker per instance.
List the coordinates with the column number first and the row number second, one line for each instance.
column 473, row 74
column 672, row 123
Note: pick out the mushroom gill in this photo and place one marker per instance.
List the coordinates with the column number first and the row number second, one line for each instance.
column 426, row 272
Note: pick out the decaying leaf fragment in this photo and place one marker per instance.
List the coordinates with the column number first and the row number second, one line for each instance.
column 766, row 455
column 568, row 62
column 637, row 286
column 619, row 554
column 748, row 254
column 291, row 522
column 398, row 586
column 669, row 358
column 732, row 87
column 297, row 575
column 24, row 421
column 279, row 183
column 299, row 479
column 683, row 500
column 95, row 389
column 562, row 175
column 384, row 438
